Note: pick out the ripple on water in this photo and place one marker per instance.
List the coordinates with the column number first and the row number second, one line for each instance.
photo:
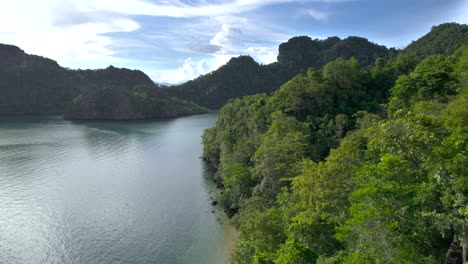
column 94, row 192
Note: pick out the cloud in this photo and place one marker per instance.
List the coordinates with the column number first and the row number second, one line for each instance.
column 263, row 55
column 96, row 33
column 190, row 69
column 230, row 34
column 239, row 35
column 228, row 37
column 242, row 36
column 179, row 9
column 202, row 48
column 317, row 15
column 42, row 28
column 225, row 37
column 179, row 38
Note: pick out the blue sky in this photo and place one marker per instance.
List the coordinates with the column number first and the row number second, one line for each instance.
column 174, row 41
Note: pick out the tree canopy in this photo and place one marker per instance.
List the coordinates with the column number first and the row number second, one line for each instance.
column 350, row 165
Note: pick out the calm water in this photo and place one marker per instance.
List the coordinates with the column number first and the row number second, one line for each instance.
column 107, row 192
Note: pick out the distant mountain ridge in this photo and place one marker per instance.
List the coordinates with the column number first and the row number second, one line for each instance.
column 243, row 76
column 34, row 85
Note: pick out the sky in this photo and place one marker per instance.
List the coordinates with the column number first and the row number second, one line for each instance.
column 177, row 40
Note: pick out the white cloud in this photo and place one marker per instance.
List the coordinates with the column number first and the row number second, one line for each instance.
column 238, row 35
column 231, row 33
column 33, row 28
column 178, row 9
column 228, row 36
column 190, row 69
column 77, row 32
column 263, row 55
column 68, row 31
column 317, row 15
column 234, row 36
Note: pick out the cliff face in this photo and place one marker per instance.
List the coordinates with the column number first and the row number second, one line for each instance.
column 33, row 85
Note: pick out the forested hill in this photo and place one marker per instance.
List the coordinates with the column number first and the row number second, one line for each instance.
column 442, row 39
column 350, row 164
column 32, row 85
column 243, row 76
column 36, row 85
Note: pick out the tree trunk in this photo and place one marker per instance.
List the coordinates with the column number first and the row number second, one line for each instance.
column 454, row 255
column 464, row 242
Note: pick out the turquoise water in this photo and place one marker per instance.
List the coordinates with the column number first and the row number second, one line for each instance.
column 107, row 192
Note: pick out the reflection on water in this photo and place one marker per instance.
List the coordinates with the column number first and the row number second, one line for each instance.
column 106, row 192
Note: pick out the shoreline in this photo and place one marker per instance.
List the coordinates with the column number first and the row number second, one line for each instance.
column 230, row 233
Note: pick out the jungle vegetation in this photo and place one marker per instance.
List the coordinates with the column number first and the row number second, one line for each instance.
column 350, row 164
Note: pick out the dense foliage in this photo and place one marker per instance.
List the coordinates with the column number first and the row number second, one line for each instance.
column 243, row 76
column 240, row 75
column 31, row 84
column 34, row 85
column 117, row 103
column 442, row 39
column 350, row 165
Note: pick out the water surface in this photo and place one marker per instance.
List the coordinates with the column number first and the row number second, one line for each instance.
column 107, row 192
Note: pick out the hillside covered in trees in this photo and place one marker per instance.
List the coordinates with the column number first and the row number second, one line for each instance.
column 351, row 163
column 243, row 76
column 34, row 85
column 442, row 39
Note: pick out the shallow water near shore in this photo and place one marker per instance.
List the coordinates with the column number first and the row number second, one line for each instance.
column 108, row 192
